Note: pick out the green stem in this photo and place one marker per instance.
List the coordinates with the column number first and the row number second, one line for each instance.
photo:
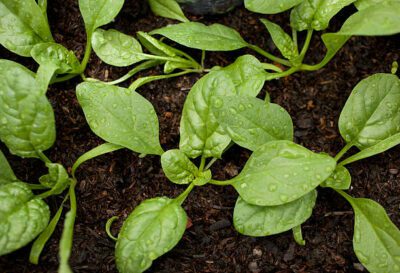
column 141, row 81
column 202, row 164
column 182, row 197
column 294, row 37
column 64, row 78
column 131, row 73
column 271, row 67
column 220, row 183
column 306, row 44
column 43, row 157
column 108, row 227
column 203, row 57
column 283, row 74
column 343, row 151
column 36, row 186
column 166, row 58
column 212, row 161
column 88, row 51
column 269, row 55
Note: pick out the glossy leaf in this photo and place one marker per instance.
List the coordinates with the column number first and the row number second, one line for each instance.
column 280, row 172
column 44, row 75
column 247, row 74
column 271, row 6
column 116, row 48
column 251, row 122
column 22, row 217
column 202, row 178
column 151, row 230
column 171, row 66
column 372, row 112
column 23, row 25
column 281, row 39
column 120, row 116
column 214, row 37
column 258, row 221
column 363, row 4
column 178, row 167
column 57, row 179
column 376, row 239
column 168, row 9
column 7, row 174
column 155, row 46
column 55, row 54
column 27, row 123
column 200, row 132
column 97, row 13
column 316, row 14
column 340, row 179
column 381, row 147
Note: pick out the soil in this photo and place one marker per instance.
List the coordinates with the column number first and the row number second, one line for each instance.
column 113, row 184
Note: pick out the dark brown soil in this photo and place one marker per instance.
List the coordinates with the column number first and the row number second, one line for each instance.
column 114, row 184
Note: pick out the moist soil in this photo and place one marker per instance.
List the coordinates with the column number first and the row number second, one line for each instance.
column 114, row 184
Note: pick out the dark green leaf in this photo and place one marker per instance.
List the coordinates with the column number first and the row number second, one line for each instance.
column 151, row 230
column 252, row 122
column 372, row 112
column 23, row 25
column 22, row 217
column 215, row 37
column 257, row 221
column 120, row 116
column 340, row 179
column 27, row 123
column 280, row 172
column 116, row 48
column 271, row 6
column 178, row 167
column 168, row 9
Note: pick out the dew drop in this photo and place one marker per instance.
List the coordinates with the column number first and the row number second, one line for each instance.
column 284, row 198
column 218, row 103
column 243, row 185
column 272, row 187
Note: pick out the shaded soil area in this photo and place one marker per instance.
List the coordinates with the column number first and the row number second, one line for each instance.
column 113, row 184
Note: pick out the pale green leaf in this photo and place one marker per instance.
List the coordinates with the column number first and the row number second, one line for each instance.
column 270, row 6
column 363, row 4
column 168, row 9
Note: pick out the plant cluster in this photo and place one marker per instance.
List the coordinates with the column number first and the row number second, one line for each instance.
column 277, row 186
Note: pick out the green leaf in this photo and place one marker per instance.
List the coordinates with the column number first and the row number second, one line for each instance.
column 200, row 132
column 282, row 40
column 280, row 172
column 247, row 74
column 151, row 230
column 340, row 179
column 252, row 122
column 7, row 174
column 271, row 6
column 97, row 13
column 168, row 9
column 155, row 46
column 381, row 147
column 22, row 217
column 57, row 179
column 376, row 239
column 23, row 25
column 120, row 116
column 170, row 66
column 116, row 48
column 363, row 4
column 372, row 112
column 55, row 54
column 44, row 75
column 202, row 178
column 27, row 124
column 215, row 37
column 383, row 19
column 258, row 221
column 178, row 167
column 316, row 14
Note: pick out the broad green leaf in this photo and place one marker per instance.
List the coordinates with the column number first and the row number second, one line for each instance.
column 57, row 179
column 200, row 132
column 251, row 122
column 376, row 239
column 271, row 6
column 214, row 37
column 23, row 25
column 340, row 179
column 22, row 216
column 120, row 116
column 363, row 4
column 116, row 48
column 168, row 9
column 258, row 221
column 27, row 124
column 282, row 40
column 381, row 147
column 155, row 46
column 178, row 167
column 44, row 75
column 152, row 229
column 372, row 112
column 97, row 13
column 55, row 54
column 247, row 74
column 7, row 174
column 383, row 19
column 316, row 14
column 280, row 172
